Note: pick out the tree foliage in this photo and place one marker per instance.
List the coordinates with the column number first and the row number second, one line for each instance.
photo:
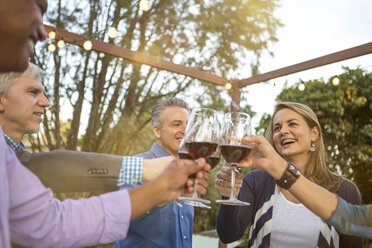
column 103, row 103
column 345, row 115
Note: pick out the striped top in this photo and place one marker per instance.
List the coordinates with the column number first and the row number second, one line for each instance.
column 258, row 189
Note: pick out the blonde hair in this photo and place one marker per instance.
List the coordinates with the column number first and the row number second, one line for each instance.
column 316, row 170
column 7, row 79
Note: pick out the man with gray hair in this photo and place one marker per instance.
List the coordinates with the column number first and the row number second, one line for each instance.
column 22, row 104
column 170, row 225
column 169, row 118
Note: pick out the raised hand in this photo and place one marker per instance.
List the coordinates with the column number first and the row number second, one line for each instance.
column 262, row 153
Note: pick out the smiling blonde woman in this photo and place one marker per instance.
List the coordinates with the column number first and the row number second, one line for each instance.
column 276, row 217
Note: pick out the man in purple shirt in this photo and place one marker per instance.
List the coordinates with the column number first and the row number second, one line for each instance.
column 29, row 215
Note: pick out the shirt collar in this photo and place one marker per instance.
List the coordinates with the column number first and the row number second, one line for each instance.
column 18, row 147
column 159, row 151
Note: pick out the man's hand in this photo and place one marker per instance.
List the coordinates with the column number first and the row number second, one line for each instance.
column 167, row 187
column 152, row 168
column 178, row 177
column 223, row 181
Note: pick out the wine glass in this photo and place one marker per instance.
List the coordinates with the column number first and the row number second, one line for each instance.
column 236, row 126
column 200, row 140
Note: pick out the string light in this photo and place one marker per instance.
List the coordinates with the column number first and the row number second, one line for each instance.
column 228, row 86
column 88, row 45
column 144, row 5
column 112, row 32
column 246, row 88
column 52, row 35
column 301, row 87
column 335, row 81
column 61, row 43
column 51, row 48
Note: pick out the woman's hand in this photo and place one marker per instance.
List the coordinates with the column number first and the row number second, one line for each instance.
column 263, row 156
column 223, row 181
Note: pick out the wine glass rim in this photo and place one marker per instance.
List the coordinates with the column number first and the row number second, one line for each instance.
column 238, row 113
column 194, row 110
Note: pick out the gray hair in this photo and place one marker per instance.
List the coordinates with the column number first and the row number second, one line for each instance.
column 7, row 79
column 156, row 115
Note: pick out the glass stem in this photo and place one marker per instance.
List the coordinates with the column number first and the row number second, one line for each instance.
column 195, row 194
column 232, row 195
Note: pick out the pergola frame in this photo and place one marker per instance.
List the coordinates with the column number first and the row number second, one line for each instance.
column 153, row 61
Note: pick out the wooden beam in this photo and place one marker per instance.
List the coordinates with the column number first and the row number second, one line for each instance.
column 138, row 57
column 320, row 61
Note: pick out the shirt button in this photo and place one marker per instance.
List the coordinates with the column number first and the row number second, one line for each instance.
column 184, row 237
column 182, row 216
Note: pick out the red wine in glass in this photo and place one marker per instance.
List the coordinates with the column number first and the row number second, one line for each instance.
column 185, row 155
column 213, row 161
column 237, row 125
column 200, row 149
column 234, row 153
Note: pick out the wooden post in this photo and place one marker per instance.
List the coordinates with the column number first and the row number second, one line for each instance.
column 235, row 103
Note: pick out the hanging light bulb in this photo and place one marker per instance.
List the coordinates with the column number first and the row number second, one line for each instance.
column 144, row 5
column 335, row 81
column 301, row 87
column 88, row 45
column 112, row 32
column 61, row 43
column 52, row 35
column 51, row 48
column 228, row 86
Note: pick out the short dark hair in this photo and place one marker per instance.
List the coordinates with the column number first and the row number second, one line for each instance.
column 156, row 115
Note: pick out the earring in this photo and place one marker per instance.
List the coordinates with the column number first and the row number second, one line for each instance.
column 312, row 147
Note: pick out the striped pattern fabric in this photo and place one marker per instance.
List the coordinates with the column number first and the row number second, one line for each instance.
column 258, row 189
column 328, row 236
column 130, row 171
column 256, row 238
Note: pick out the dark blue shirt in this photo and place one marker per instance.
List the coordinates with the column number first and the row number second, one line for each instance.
column 168, row 226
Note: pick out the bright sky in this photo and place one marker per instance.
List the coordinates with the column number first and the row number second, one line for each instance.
column 312, row 29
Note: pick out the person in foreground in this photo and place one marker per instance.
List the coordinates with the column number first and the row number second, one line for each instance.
column 345, row 217
column 277, row 217
column 29, row 215
column 170, row 225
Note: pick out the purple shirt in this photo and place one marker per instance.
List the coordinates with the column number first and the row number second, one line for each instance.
column 30, row 216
